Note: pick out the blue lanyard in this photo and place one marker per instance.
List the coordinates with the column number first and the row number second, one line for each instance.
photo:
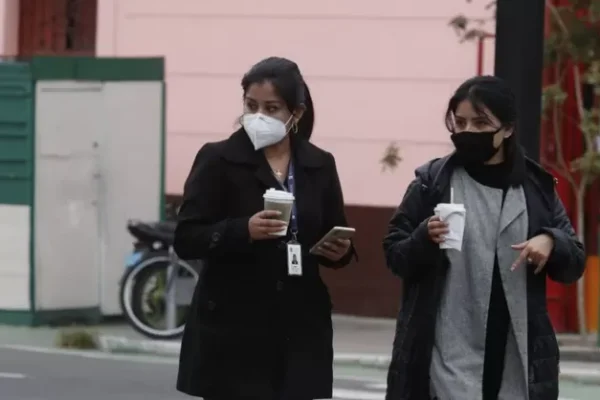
column 290, row 187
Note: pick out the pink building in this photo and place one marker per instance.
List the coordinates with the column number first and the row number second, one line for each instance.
column 380, row 72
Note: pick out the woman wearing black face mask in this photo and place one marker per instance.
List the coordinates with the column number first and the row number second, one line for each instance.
column 474, row 322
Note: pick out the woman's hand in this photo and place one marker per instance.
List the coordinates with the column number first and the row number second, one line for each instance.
column 535, row 250
column 437, row 229
column 263, row 224
column 334, row 250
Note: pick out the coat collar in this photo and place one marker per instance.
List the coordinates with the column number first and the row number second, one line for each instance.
column 437, row 174
column 238, row 149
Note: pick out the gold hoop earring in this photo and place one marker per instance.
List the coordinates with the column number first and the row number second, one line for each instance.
column 295, row 127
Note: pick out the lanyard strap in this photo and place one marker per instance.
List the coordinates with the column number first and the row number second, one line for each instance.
column 290, row 187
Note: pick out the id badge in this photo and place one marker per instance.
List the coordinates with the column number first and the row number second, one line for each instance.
column 294, row 253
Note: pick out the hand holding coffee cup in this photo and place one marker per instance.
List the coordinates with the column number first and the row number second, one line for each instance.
column 453, row 216
column 264, row 224
column 282, row 202
column 437, row 229
column 447, row 226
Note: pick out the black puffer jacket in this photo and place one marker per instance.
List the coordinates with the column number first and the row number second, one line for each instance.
column 412, row 256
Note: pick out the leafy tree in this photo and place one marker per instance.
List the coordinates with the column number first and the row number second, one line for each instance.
column 571, row 59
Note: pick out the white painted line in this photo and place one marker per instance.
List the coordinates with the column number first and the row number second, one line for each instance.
column 12, row 375
column 378, row 385
column 357, row 395
column 94, row 354
column 343, row 377
column 580, row 371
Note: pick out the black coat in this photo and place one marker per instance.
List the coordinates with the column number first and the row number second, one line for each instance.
column 253, row 331
column 411, row 255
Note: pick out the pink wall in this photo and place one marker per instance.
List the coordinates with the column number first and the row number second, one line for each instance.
column 9, row 27
column 380, row 71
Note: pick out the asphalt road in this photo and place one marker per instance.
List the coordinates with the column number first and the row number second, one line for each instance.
column 46, row 374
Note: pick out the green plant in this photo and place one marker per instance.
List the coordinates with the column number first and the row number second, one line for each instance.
column 469, row 29
column 572, row 57
column 76, row 338
column 391, row 158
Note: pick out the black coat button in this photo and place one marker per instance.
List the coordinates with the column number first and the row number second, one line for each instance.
column 216, row 236
column 281, row 245
column 279, row 286
column 211, row 305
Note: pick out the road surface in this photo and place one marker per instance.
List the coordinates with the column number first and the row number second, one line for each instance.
column 28, row 373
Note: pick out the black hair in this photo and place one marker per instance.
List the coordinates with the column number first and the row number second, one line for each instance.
column 495, row 95
column 287, row 80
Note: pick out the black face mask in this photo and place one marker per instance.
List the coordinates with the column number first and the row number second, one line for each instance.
column 474, row 147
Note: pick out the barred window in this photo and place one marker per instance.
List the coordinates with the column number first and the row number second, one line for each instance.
column 59, row 27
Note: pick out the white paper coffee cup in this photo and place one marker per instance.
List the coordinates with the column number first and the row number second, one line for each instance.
column 282, row 201
column 454, row 215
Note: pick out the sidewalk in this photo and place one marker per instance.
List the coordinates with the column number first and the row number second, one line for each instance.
column 354, row 337
column 359, row 341
column 365, row 341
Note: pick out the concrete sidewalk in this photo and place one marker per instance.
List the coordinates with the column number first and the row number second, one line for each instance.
column 354, row 337
column 367, row 342
column 359, row 341
column 362, row 340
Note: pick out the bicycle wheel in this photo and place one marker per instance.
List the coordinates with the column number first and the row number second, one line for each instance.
column 143, row 297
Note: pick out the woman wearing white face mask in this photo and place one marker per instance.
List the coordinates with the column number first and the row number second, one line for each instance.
column 255, row 330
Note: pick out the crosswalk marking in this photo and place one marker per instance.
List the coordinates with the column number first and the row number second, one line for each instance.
column 377, row 385
column 11, row 375
column 345, row 394
column 348, row 394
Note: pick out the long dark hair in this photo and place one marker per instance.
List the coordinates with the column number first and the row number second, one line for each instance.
column 285, row 76
column 495, row 95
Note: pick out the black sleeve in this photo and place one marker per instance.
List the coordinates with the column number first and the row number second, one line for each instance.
column 407, row 247
column 203, row 228
column 334, row 204
column 567, row 260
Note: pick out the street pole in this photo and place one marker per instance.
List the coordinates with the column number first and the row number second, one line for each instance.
column 519, row 61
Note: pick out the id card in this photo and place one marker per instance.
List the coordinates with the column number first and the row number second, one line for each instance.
column 294, row 252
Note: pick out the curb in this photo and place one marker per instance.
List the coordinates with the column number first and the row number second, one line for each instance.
column 168, row 348
column 115, row 344
column 580, row 375
column 361, row 359
column 580, row 353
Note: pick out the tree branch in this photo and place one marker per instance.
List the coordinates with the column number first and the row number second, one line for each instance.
column 556, row 16
column 589, row 142
column 561, row 164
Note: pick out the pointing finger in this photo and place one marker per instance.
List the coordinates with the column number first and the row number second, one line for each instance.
column 522, row 257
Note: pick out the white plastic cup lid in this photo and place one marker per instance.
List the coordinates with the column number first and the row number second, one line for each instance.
column 455, row 206
column 274, row 194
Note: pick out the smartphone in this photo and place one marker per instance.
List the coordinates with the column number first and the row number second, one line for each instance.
column 337, row 232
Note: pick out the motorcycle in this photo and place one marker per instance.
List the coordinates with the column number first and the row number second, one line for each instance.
column 157, row 287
